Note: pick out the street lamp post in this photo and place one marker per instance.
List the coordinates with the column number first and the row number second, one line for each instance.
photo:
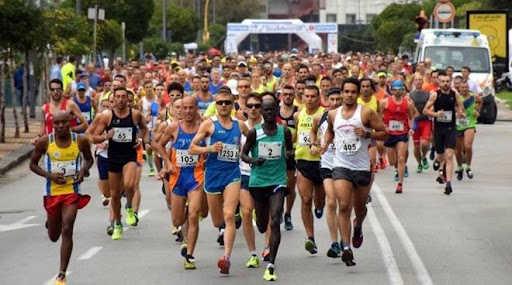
column 95, row 14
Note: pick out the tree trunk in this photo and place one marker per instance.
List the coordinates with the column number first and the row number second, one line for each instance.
column 2, row 98
column 24, row 96
column 13, row 96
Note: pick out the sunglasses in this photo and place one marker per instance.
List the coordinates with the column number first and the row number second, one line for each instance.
column 244, row 86
column 224, row 102
column 288, row 94
column 251, row 106
column 56, row 89
column 175, row 94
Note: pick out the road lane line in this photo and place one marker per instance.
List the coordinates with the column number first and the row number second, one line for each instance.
column 395, row 278
column 22, row 221
column 90, row 253
column 418, row 265
column 52, row 280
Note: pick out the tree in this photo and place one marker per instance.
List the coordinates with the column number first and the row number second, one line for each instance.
column 109, row 37
column 71, row 34
column 234, row 10
column 182, row 22
column 135, row 13
column 157, row 47
column 390, row 35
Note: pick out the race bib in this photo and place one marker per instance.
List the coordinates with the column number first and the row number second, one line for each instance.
column 463, row 122
column 66, row 168
column 349, row 146
column 270, row 150
column 201, row 112
column 446, row 118
column 122, row 135
column 304, row 138
column 87, row 116
column 396, row 126
column 228, row 153
column 183, row 158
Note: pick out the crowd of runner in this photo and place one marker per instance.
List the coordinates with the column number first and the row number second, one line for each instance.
column 235, row 136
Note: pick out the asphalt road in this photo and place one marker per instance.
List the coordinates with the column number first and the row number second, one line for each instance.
column 419, row 237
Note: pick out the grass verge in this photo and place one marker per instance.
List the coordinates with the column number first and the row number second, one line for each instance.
column 507, row 97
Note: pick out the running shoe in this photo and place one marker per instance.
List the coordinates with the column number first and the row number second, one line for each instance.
column 460, row 174
column 432, row 153
column 469, row 173
column 348, row 257
column 270, row 274
column 419, row 169
column 436, row 165
column 288, row 225
column 395, row 177
column 383, row 163
column 130, row 217
column 357, row 236
column 448, row 189
column 104, row 200
column 151, row 172
column 265, row 254
column 189, row 262
column 369, row 199
column 424, row 161
column 253, row 262
column 117, row 234
column 399, row 188
column 183, row 250
column 334, row 251
column 310, row 246
column 110, row 229
column 406, row 173
column 223, row 263
column 319, row 213
column 220, row 239
column 440, row 179
column 61, row 279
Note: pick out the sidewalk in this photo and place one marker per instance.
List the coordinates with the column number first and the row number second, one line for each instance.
column 16, row 150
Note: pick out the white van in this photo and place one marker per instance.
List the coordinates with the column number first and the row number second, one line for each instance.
column 458, row 48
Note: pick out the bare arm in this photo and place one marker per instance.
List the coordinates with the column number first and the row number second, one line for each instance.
column 95, row 133
column 429, row 107
column 75, row 110
column 164, row 138
column 373, row 121
column 144, row 131
column 329, row 134
column 85, row 149
column 205, row 129
column 296, row 120
column 249, row 144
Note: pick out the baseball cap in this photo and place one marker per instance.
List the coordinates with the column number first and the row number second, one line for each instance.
column 232, row 84
column 397, row 84
column 81, row 86
column 382, row 73
column 242, row 63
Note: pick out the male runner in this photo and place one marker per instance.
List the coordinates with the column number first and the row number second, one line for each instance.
column 187, row 174
column 444, row 104
column 150, row 108
column 466, row 129
column 268, row 143
column 309, row 179
column 333, row 97
column 121, row 126
column 351, row 127
column 64, row 171
column 222, row 172
column 368, row 99
column 422, row 125
column 397, row 111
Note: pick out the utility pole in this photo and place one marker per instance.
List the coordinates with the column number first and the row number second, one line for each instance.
column 79, row 7
column 95, row 14
column 164, row 20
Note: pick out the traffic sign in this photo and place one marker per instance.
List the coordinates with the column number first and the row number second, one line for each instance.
column 444, row 12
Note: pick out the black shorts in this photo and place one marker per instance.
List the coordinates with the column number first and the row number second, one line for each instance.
column 393, row 140
column 102, row 164
column 245, row 182
column 445, row 137
column 461, row 133
column 356, row 177
column 290, row 163
column 326, row 173
column 263, row 193
column 310, row 170
column 116, row 165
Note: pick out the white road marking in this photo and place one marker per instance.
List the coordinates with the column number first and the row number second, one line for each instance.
column 395, row 278
column 52, row 280
column 22, row 221
column 90, row 253
column 420, row 269
column 18, row 225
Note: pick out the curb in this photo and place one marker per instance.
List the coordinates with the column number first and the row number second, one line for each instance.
column 15, row 158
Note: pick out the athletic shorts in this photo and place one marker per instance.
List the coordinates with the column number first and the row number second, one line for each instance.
column 102, row 163
column 185, row 181
column 116, row 165
column 445, row 137
column 373, row 142
column 326, row 173
column 290, row 163
column 423, row 132
column 215, row 182
column 393, row 140
column 263, row 193
column 53, row 204
column 245, row 182
column 461, row 133
column 310, row 170
column 356, row 177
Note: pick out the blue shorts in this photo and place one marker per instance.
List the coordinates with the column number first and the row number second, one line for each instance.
column 216, row 181
column 102, row 167
column 181, row 183
column 394, row 139
column 245, row 182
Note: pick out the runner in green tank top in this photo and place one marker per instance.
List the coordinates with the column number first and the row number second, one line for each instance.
column 466, row 129
column 269, row 145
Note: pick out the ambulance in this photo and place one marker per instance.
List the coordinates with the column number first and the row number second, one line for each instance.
column 458, row 48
